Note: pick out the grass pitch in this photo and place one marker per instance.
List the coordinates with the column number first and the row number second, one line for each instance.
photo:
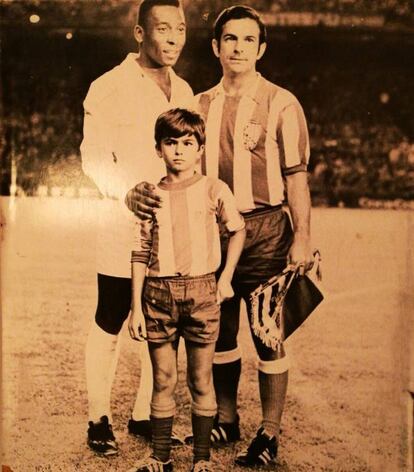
column 348, row 405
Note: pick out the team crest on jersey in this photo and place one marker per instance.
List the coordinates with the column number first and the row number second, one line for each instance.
column 251, row 135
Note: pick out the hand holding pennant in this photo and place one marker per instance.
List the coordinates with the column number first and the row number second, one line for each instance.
column 283, row 303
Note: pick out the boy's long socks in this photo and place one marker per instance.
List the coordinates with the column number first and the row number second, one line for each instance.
column 202, row 426
column 161, row 437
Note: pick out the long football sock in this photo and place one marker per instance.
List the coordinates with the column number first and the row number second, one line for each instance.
column 101, row 358
column 161, row 437
column 273, row 389
column 226, row 382
column 142, row 404
column 202, row 426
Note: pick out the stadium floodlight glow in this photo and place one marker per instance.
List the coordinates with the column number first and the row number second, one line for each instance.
column 34, row 19
column 69, row 35
column 384, row 98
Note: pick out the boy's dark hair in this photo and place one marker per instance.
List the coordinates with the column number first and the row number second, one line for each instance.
column 178, row 122
column 146, row 6
column 238, row 12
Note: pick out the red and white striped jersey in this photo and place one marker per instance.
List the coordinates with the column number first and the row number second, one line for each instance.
column 253, row 141
column 183, row 237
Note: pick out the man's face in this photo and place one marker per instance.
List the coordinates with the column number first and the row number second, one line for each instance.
column 162, row 38
column 180, row 154
column 239, row 47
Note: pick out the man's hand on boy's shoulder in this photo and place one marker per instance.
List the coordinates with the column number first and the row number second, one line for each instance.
column 143, row 200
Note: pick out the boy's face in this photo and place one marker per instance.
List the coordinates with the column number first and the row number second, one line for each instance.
column 180, row 154
column 163, row 36
column 239, row 47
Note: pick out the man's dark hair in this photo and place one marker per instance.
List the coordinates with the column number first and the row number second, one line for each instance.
column 238, row 12
column 179, row 122
column 146, row 6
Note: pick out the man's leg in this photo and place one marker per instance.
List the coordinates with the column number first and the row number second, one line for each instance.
column 204, row 407
column 273, row 380
column 101, row 356
column 227, row 361
column 271, row 238
column 102, row 350
column 141, row 411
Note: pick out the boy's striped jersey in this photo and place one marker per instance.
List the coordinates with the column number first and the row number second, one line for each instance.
column 183, row 237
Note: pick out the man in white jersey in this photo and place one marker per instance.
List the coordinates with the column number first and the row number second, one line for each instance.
column 257, row 142
column 121, row 108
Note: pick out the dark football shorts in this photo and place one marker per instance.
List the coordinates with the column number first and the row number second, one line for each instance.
column 114, row 302
column 181, row 306
column 269, row 236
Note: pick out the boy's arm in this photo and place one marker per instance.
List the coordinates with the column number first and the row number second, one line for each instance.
column 235, row 248
column 139, row 261
column 229, row 215
column 136, row 322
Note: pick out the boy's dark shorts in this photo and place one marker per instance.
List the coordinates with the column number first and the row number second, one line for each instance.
column 181, row 306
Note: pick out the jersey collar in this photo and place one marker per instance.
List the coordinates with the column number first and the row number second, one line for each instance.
column 250, row 92
column 133, row 69
column 180, row 185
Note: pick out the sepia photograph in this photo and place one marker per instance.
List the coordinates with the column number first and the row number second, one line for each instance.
column 206, row 235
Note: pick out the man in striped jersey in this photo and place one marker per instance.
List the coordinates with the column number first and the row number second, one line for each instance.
column 257, row 142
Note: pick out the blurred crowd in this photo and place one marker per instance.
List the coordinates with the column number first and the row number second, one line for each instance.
column 391, row 9
column 358, row 148
column 102, row 12
column 359, row 111
column 42, row 136
column 362, row 132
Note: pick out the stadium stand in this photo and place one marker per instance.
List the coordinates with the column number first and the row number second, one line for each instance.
column 356, row 89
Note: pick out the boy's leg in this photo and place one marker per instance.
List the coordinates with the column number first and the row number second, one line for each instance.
column 200, row 382
column 164, row 366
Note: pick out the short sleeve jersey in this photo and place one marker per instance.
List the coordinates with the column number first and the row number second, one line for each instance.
column 118, row 150
column 253, row 141
column 183, row 237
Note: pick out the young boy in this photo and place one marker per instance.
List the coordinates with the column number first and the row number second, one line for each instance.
column 179, row 252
